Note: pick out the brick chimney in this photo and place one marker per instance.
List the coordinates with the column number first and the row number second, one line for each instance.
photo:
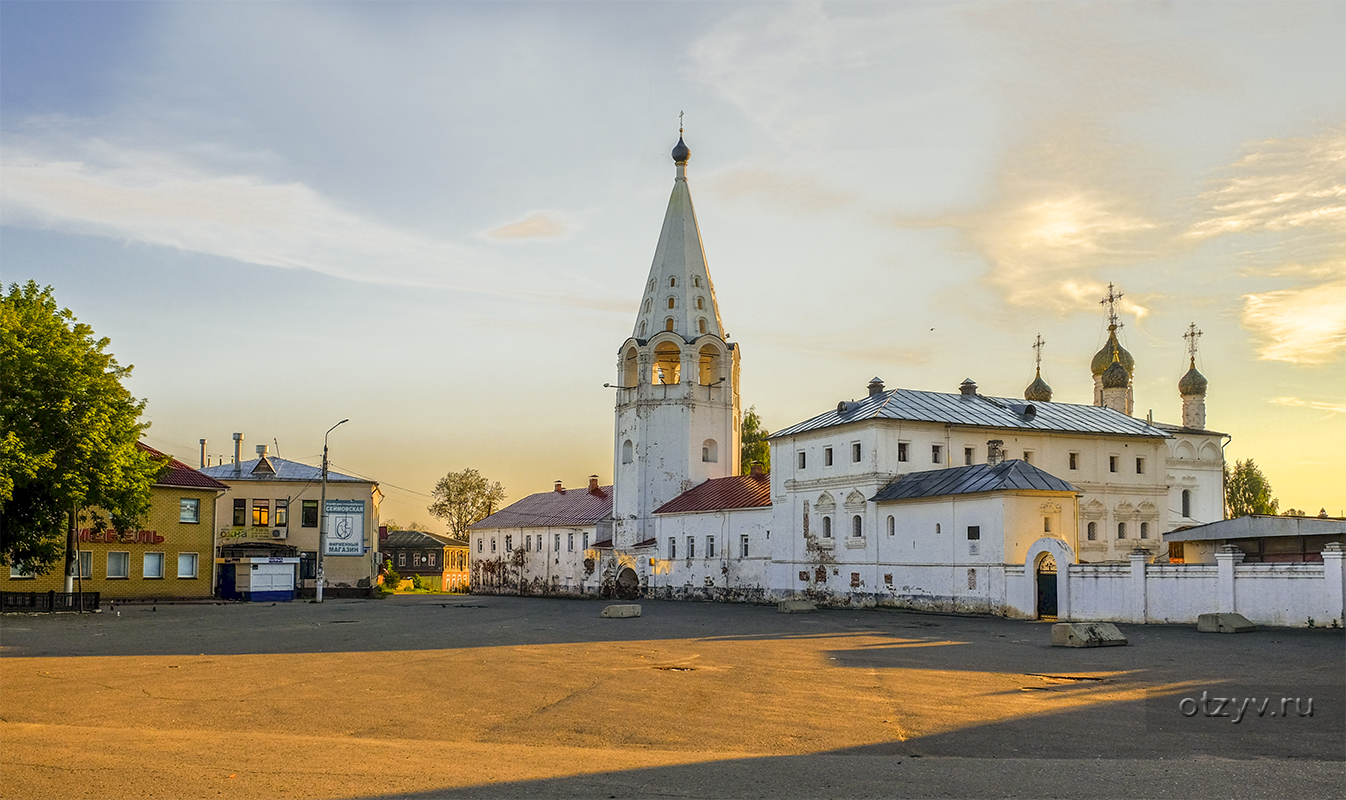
column 875, row 386
column 968, row 388
column 995, row 452
column 593, row 486
column 757, row 471
column 559, row 488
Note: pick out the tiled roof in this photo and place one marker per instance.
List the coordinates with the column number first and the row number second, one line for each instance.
column 284, row 471
column 1006, row 476
column 978, row 411
column 180, row 475
column 419, row 539
column 721, row 494
column 572, row 507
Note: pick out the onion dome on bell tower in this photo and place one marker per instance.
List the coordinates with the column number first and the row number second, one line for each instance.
column 1111, row 352
column 1038, row 391
column 1116, row 387
column 1192, row 386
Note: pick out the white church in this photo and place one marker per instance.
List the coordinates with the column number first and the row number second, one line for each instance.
column 909, row 498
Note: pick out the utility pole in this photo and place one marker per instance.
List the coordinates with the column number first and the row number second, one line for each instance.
column 322, row 511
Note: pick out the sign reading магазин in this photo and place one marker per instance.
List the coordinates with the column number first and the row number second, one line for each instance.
column 345, row 528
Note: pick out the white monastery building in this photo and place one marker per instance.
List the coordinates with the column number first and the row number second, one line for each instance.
column 937, row 500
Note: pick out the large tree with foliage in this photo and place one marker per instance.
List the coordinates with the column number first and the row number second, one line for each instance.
column 464, row 498
column 754, row 445
column 1247, row 491
column 69, row 431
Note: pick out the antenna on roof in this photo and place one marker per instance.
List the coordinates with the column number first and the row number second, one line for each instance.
column 277, row 444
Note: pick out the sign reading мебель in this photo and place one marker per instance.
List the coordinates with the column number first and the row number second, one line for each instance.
column 345, row 528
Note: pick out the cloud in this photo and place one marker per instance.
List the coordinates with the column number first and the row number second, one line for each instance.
column 1295, row 402
column 1302, row 326
column 789, row 193
column 537, row 225
column 1281, row 185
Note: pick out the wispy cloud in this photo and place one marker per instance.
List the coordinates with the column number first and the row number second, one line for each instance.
column 791, row 193
column 1304, row 326
column 1317, row 405
column 536, row 225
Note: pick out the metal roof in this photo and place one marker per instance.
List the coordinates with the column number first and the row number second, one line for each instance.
column 721, row 494
column 546, row 509
column 978, row 411
column 419, row 539
column 181, row 476
column 284, row 471
column 1009, row 475
column 1257, row 526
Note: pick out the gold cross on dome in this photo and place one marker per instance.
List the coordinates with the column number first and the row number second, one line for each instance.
column 1193, row 333
column 1110, row 300
column 1037, row 350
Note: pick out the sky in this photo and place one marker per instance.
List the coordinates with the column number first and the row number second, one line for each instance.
column 436, row 219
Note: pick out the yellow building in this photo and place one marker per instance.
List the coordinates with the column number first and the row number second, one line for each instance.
column 172, row 556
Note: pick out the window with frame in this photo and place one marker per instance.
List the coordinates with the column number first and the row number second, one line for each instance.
column 308, row 565
column 696, row 280
column 803, row 459
column 968, row 454
column 902, row 448
column 857, row 526
column 1176, row 553
column 308, row 514
column 118, row 564
column 700, row 303
column 973, row 533
column 671, row 303
column 701, row 325
column 189, row 510
column 668, row 324
column 672, row 282
column 154, row 566
column 261, row 513
column 241, row 512
column 17, row 571
column 509, row 544
column 481, row 543
column 1112, row 463
column 401, row 559
column 282, row 519
column 710, row 547
column 1144, row 530
column 743, row 546
column 1074, row 460
column 1140, row 465
column 528, row 543
column 672, row 548
column 827, row 456
column 570, row 542
column 586, row 541
column 936, row 454
column 1187, row 503
column 1092, row 531
column 892, row 526
column 187, row 565
column 1046, row 524
column 691, row 547
column 85, row 564
column 430, row 559
column 827, row 527
column 556, row 543
column 1121, row 530
column 855, row 452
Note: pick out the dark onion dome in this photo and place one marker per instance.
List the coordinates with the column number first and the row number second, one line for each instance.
column 681, row 153
column 1038, row 391
column 1192, row 383
column 1111, row 351
column 1115, row 376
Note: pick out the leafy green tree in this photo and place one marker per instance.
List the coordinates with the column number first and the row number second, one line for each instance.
column 69, row 431
column 464, row 498
column 391, row 578
column 1247, row 491
column 754, row 442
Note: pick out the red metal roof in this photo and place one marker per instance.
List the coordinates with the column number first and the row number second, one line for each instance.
column 181, row 475
column 544, row 509
column 720, row 494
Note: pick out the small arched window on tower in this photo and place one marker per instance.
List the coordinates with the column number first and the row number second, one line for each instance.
column 1187, row 503
column 710, row 365
column 649, row 304
column 628, row 452
column 667, row 364
column 668, row 324
column 696, row 280
column 700, row 302
column 642, row 329
column 672, row 303
column 701, row 325
column 630, row 365
column 710, row 453
column 672, row 282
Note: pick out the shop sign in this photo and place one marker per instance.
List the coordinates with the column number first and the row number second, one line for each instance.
column 345, row 528
column 120, row 537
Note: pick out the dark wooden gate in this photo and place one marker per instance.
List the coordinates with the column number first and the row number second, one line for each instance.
column 1046, row 577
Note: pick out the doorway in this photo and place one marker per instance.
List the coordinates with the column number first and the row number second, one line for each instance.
column 1046, row 578
column 628, row 585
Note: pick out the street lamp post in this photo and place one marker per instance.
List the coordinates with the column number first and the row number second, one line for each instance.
column 322, row 510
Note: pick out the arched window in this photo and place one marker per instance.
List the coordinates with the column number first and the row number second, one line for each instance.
column 701, row 325
column 827, row 527
column 696, row 280
column 1121, row 530
column 668, row 324
column 1187, row 503
column 700, row 302
column 1144, row 530
column 672, row 303
column 667, row 364
column 709, row 365
column 628, row 452
column 709, row 451
column 857, row 526
column 649, row 304
column 642, row 329
column 936, row 527
column 1093, row 531
column 672, row 282
column 630, row 365
column 892, row 527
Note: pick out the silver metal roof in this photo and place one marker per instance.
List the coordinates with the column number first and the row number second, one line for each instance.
column 978, row 411
column 284, row 471
column 1006, row 476
column 1257, row 526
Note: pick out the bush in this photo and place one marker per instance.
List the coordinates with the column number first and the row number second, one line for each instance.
column 391, row 580
column 418, row 583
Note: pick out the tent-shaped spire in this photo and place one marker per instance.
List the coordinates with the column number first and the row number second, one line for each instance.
column 678, row 293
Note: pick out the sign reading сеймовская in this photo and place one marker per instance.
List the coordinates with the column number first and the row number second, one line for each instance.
column 345, row 528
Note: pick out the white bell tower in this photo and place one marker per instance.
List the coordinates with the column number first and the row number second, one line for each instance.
column 677, row 417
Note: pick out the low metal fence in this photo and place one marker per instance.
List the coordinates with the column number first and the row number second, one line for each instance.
column 49, row 601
